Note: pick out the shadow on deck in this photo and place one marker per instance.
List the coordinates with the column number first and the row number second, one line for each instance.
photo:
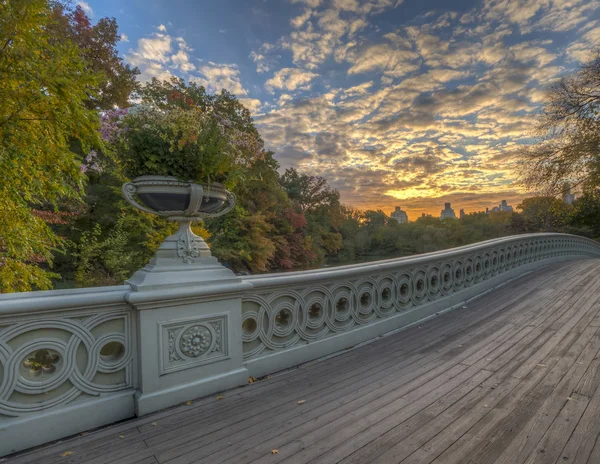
column 512, row 378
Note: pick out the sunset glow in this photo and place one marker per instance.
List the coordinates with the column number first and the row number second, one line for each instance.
column 395, row 102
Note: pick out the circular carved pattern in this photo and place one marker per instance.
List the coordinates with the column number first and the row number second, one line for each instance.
column 419, row 286
column 286, row 317
column 404, row 291
column 112, row 352
column 41, row 363
column 434, row 282
column 249, row 326
column 50, row 362
column 195, row 341
column 315, row 312
column 446, row 278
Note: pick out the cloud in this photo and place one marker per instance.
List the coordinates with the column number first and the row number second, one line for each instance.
column 583, row 49
column 124, row 38
column 152, row 56
column 309, row 3
column 420, row 106
column 264, row 58
column 290, row 79
column 253, row 104
column 162, row 28
column 216, row 76
column 86, row 7
column 300, row 20
column 383, row 57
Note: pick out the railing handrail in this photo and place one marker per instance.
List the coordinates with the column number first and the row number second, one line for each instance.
column 49, row 300
column 336, row 272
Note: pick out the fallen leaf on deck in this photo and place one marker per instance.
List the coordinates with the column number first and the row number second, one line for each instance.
column 251, row 380
column 121, row 436
column 66, row 453
column 188, row 402
column 570, row 399
column 220, row 397
column 274, row 451
column 301, row 402
column 153, row 424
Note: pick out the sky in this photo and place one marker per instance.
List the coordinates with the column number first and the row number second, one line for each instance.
column 407, row 103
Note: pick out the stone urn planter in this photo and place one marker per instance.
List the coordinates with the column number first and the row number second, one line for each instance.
column 170, row 197
column 182, row 202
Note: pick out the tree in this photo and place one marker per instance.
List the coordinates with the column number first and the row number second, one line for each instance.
column 43, row 89
column 98, row 48
column 585, row 216
column 320, row 205
column 544, row 214
column 568, row 149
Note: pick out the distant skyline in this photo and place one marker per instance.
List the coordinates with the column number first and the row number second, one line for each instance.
column 411, row 102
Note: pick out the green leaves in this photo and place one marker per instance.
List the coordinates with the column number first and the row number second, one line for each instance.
column 43, row 89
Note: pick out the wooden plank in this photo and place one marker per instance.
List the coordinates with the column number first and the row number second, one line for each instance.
column 499, row 383
column 489, row 438
column 582, row 440
column 588, row 385
column 429, row 367
column 428, row 451
column 520, row 448
column 558, row 348
column 549, row 449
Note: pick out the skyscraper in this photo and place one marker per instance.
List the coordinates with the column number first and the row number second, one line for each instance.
column 447, row 212
column 399, row 215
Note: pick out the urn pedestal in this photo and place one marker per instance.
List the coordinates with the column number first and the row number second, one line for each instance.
column 189, row 310
column 183, row 258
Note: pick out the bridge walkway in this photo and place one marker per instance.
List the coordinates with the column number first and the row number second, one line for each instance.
column 511, row 378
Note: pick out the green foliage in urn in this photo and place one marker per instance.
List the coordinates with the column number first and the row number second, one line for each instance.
column 193, row 142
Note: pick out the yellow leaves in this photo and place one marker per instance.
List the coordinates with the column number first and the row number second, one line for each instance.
column 251, row 380
column 188, row 402
column 121, row 436
column 66, row 453
column 220, row 397
column 275, row 451
column 301, row 402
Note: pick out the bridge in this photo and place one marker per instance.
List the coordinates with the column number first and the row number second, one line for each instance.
column 484, row 353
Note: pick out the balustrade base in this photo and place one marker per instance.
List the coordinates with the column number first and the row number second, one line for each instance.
column 155, row 401
column 42, row 427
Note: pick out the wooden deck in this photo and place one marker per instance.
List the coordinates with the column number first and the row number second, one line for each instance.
column 512, row 378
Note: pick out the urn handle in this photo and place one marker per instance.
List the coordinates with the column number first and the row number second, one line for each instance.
column 128, row 190
column 229, row 207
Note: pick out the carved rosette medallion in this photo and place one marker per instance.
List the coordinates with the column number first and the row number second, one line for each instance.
column 195, row 341
column 192, row 342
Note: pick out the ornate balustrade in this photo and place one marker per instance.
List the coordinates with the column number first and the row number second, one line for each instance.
column 71, row 360
column 69, row 351
column 287, row 313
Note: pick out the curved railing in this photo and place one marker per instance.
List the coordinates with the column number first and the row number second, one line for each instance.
column 71, row 360
column 338, row 307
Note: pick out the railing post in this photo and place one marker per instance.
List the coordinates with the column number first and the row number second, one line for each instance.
column 189, row 328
